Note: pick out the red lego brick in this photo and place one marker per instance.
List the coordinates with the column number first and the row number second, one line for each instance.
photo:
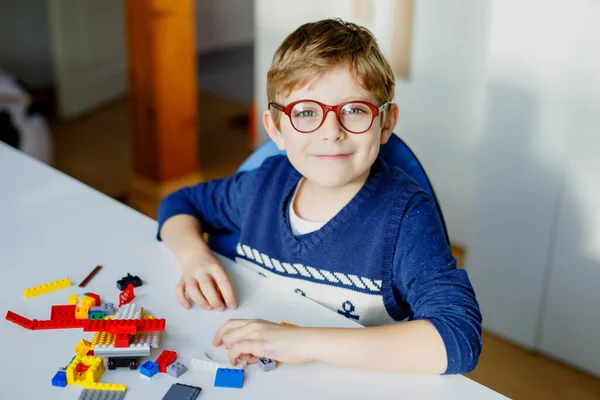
column 166, row 358
column 152, row 325
column 127, row 295
column 127, row 326
column 63, row 312
column 19, row 320
column 81, row 368
column 95, row 297
column 57, row 324
column 122, row 340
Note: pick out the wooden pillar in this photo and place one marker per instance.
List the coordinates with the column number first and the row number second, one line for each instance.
column 162, row 77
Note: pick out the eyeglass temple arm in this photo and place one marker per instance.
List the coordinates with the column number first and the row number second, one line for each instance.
column 277, row 106
column 384, row 106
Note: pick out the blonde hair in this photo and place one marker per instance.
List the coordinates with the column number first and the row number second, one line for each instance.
column 317, row 47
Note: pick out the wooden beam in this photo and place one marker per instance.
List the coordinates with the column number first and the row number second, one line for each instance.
column 162, row 77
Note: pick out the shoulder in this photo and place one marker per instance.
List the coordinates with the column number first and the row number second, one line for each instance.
column 398, row 182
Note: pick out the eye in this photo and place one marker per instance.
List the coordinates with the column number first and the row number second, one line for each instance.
column 306, row 113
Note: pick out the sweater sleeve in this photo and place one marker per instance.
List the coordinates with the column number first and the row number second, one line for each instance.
column 426, row 276
column 219, row 204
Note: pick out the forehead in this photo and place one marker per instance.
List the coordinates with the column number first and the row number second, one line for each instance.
column 332, row 87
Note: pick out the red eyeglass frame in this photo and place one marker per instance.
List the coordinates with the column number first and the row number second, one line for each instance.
column 287, row 110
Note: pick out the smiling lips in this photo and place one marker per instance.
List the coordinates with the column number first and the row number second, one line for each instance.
column 332, row 156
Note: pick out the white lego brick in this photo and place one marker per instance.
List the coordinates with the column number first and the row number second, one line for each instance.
column 131, row 351
column 205, row 362
column 129, row 311
column 150, row 338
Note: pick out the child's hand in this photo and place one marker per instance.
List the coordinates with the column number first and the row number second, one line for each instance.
column 250, row 339
column 205, row 282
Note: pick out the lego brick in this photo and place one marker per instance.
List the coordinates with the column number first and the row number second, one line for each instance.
column 95, row 314
column 73, row 299
column 127, row 295
column 88, row 301
column 95, row 369
column 19, row 320
column 149, row 369
column 82, row 312
column 266, row 364
column 119, row 387
column 46, row 288
column 60, row 379
column 103, row 338
column 94, row 394
column 82, row 347
column 166, row 358
column 176, row 369
column 152, row 325
column 122, row 340
column 229, row 378
column 182, row 392
column 62, row 312
column 287, row 324
column 150, row 338
column 57, row 324
column 111, row 326
column 108, row 308
column 129, row 311
column 131, row 351
column 96, row 298
column 122, row 362
column 90, row 276
column 129, row 279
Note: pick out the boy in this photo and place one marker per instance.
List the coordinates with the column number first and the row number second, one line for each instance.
column 331, row 221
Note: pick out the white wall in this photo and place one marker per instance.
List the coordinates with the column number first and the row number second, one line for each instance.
column 440, row 106
column 223, row 23
column 25, row 41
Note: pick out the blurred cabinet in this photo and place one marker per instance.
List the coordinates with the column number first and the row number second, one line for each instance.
column 534, row 248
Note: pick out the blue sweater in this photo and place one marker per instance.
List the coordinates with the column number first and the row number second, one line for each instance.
column 383, row 258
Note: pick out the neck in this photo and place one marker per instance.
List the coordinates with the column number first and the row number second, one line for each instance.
column 317, row 203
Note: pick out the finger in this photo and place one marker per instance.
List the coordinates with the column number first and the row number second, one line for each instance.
column 225, row 288
column 244, row 332
column 207, row 286
column 228, row 326
column 253, row 360
column 244, row 347
column 195, row 294
column 180, row 295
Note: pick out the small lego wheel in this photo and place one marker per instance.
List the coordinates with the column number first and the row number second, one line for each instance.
column 133, row 364
column 111, row 364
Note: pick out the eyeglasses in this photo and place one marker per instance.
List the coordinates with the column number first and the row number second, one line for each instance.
column 307, row 116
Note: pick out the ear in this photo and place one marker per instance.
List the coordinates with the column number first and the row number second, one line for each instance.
column 391, row 119
column 272, row 130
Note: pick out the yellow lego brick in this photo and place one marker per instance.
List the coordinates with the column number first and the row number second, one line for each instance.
column 88, row 301
column 117, row 387
column 148, row 317
column 81, row 312
column 287, row 324
column 46, row 288
column 83, row 347
column 74, row 298
column 103, row 339
column 94, row 372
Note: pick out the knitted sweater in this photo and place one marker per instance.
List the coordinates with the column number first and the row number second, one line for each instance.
column 383, row 258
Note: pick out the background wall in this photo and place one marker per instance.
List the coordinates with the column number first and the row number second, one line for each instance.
column 223, row 23
column 440, row 105
column 25, row 41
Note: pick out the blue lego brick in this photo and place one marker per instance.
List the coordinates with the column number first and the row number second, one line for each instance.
column 149, row 369
column 60, row 379
column 229, row 378
column 182, row 392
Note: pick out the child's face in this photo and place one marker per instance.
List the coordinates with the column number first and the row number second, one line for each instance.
column 331, row 156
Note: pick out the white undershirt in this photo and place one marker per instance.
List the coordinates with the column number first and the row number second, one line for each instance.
column 301, row 226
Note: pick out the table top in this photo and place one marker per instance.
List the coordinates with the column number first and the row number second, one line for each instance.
column 52, row 227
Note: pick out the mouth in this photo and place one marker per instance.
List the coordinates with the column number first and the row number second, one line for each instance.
column 332, row 156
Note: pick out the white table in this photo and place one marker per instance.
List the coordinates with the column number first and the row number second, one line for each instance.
column 52, row 226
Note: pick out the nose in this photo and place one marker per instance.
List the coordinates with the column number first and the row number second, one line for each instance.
column 331, row 130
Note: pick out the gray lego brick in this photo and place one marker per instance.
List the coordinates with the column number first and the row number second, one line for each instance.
column 90, row 394
column 182, row 392
column 176, row 369
column 131, row 351
column 266, row 364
